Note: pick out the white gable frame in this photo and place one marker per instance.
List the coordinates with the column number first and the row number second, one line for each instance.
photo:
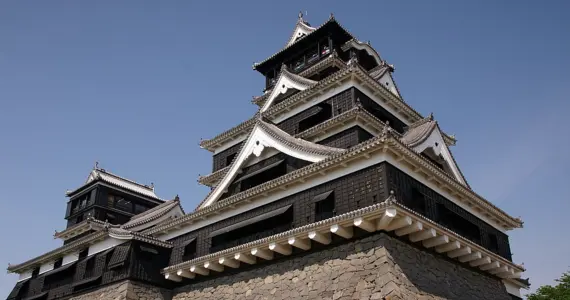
column 437, row 144
column 301, row 30
column 257, row 141
column 285, row 82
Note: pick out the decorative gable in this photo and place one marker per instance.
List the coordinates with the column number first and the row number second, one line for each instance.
column 302, row 29
column 263, row 136
column 425, row 137
column 287, row 81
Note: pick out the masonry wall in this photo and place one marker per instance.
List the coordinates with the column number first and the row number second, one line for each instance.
column 126, row 290
column 376, row 267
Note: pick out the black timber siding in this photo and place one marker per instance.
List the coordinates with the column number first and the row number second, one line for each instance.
column 291, row 164
column 403, row 185
column 379, row 112
column 128, row 264
column 359, row 189
column 347, row 138
column 220, row 158
column 353, row 191
column 339, row 103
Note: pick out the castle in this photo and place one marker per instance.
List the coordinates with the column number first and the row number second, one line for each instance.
column 335, row 189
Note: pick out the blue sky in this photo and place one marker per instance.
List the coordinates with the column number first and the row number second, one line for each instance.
column 135, row 85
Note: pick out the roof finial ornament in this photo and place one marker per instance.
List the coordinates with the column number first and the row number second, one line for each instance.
column 300, row 15
column 176, row 198
column 152, row 185
column 96, row 165
column 106, row 225
column 430, row 117
column 331, row 16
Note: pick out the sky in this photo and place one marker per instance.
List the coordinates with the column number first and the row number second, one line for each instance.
column 135, row 85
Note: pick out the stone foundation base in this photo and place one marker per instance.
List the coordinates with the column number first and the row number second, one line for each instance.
column 376, row 267
column 126, row 290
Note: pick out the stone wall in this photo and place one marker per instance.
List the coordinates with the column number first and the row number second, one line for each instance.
column 376, row 267
column 126, row 290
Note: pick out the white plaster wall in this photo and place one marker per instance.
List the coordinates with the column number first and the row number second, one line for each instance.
column 107, row 243
column 48, row 266
column 25, row 275
column 512, row 289
column 441, row 148
column 69, row 258
column 386, row 81
column 225, row 146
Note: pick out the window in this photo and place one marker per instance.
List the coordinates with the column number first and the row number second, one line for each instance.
column 35, row 272
column 58, row 263
column 493, row 243
column 83, row 253
column 453, row 221
column 417, row 202
column 139, row 208
column 230, row 158
column 262, row 175
column 324, row 112
column 123, row 204
column 189, row 251
column 324, row 206
column 252, row 229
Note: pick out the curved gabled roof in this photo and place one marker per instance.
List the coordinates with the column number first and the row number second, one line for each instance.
column 265, row 135
column 154, row 213
column 426, row 133
column 116, row 180
column 356, row 44
column 302, row 29
column 286, row 81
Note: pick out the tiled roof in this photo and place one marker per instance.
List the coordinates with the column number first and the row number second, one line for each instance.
column 153, row 213
column 297, row 143
column 329, row 21
column 388, row 139
column 127, row 184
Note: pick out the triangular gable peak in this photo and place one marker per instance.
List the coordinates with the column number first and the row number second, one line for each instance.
column 302, row 29
column 262, row 136
column 425, row 137
column 287, row 81
column 388, row 82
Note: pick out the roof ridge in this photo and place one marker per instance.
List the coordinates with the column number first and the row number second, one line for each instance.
column 150, row 188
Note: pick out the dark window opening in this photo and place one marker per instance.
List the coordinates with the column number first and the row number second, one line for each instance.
column 324, row 206
column 493, row 243
column 290, row 92
column 58, row 263
column 273, row 172
column 79, row 219
column 253, row 231
column 139, row 208
column 417, row 202
column 111, row 218
column 432, row 160
column 189, row 251
column 90, row 268
column 230, row 158
column 35, row 272
column 324, row 114
column 123, row 204
column 451, row 220
column 147, row 253
column 83, row 253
